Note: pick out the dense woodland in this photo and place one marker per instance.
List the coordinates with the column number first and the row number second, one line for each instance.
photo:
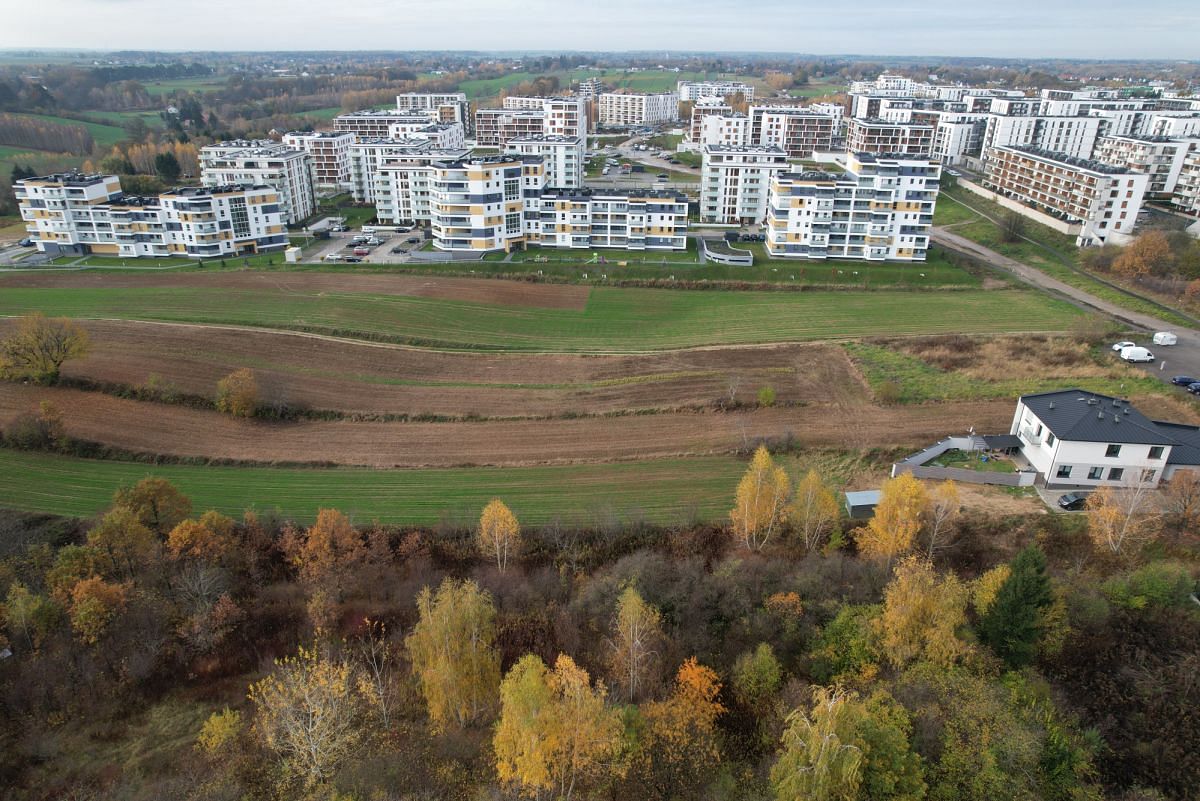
column 786, row 653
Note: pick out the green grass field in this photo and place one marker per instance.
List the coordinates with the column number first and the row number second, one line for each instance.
column 11, row 153
column 201, row 84
column 151, row 118
column 613, row 320
column 104, row 135
column 662, row 491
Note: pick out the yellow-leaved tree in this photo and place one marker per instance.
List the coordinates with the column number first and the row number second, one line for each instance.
column 898, row 518
column 237, row 393
column 307, row 711
column 679, row 751
column 814, row 511
column 922, row 613
column 499, row 533
column 943, row 510
column 453, row 653
column 760, row 502
column 636, row 639
column 556, row 734
column 819, row 762
column 1121, row 520
column 39, row 346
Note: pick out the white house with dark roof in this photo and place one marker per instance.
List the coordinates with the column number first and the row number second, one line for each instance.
column 1084, row 439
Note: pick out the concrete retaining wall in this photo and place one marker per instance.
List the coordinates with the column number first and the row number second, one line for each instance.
column 742, row 258
column 1071, row 229
column 1014, row 479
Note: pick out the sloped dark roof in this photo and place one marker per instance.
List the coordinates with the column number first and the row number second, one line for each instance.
column 999, row 442
column 1187, row 448
column 1076, row 415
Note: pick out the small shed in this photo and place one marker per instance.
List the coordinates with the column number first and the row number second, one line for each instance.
column 1009, row 443
column 291, row 255
column 861, row 505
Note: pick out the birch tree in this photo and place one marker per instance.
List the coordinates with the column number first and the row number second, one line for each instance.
column 637, row 636
column 760, row 501
column 1119, row 519
column 814, row 511
column 499, row 533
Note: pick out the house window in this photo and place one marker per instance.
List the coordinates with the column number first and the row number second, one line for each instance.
column 1116, row 473
column 1113, row 450
column 1096, row 473
column 1050, row 440
column 1148, row 476
column 1064, row 471
column 1156, row 452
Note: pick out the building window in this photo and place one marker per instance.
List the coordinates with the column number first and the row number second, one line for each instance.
column 1050, row 440
column 1148, row 476
column 1116, row 473
column 1096, row 473
column 1064, row 471
column 1156, row 452
column 1113, row 450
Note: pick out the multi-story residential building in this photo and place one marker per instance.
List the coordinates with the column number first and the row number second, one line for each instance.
column 76, row 214
column 263, row 163
column 590, row 88
column 330, row 154
column 630, row 109
column 957, row 136
column 1187, row 188
column 601, row 218
column 694, row 90
column 1183, row 126
column 562, row 116
column 706, row 107
column 732, row 130
column 368, row 156
column 735, row 181
column 403, row 185
column 377, row 123
column 480, row 203
column 1160, row 158
column 448, row 107
column 799, row 131
column 877, row 208
column 1072, row 136
column 563, row 157
column 1099, row 200
column 442, row 135
column 881, row 136
column 495, row 126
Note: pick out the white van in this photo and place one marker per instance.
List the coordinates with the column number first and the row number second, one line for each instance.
column 1136, row 354
column 1165, row 338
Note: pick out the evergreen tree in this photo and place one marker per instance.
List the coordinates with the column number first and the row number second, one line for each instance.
column 1012, row 624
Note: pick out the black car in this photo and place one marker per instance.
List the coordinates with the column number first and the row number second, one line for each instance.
column 26, row 242
column 1183, row 381
column 352, row 260
column 1073, row 501
column 398, row 249
column 412, row 240
column 1193, row 388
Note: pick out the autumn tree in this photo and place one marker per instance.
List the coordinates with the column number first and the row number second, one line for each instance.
column 636, row 639
column 922, row 613
column 156, row 502
column 680, row 749
column 499, row 533
column 39, row 346
column 307, row 712
column 1181, row 500
column 1149, row 253
column 219, row 732
column 29, row 616
column 328, row 555
column 453, row 653
column 94, row 604
column 127, row 545
column 1120, row 519
column 817, row 763
column 814, row 512
column 555, row 734
column 206, row 540
column 237, row 393
column 1013, row 622
column 376, row 679
column 898, row 518
column 760, row 502
column 943, row 509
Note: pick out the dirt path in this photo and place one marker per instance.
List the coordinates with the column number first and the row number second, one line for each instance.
column 180, row 431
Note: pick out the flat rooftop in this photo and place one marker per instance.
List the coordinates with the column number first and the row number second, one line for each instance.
column 1070, row 161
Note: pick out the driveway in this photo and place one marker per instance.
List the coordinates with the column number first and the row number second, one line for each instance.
column 644, row 157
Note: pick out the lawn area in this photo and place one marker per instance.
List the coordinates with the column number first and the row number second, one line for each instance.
column 665, row 141
column 490, row 87
column 151, row 118
column 324, row 114
column 208, row 83
column 689, row 159
column 613, row 319
column 104, row 135
column 972, row 461
column 664, row 491
column 11, row 153
column 817, row 90
column 1051, row 252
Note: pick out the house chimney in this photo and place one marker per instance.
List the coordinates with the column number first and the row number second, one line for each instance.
column 1100, row 415
column 1051, row 406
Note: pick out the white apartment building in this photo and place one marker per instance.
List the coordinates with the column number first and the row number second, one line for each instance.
column 706, row 107
column 368, row 156
column 732, row 131
column 447, row 107
column 877, row 208
column 799, row 131
column 957, row 136
column 263, row 163
column 600, row 218
column 631, row 109
column 442, row 135
column 74, row 214
column 1100, row 200
column 1174, row 127
column 1071, row 136
column 563, row 157
column 694, row 90
column 495, row 126
column 330, row 154
column 1187, row 188
column 377, row 123
column 735, row 181
column 589, row 88
column 881, row 136
column 479, row 203
column 1159, row 158
column 562, row 116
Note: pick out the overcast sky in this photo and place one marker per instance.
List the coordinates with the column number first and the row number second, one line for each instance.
column 1018, row 28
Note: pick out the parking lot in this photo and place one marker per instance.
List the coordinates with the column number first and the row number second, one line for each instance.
column 1182, row 358
column 390, row 247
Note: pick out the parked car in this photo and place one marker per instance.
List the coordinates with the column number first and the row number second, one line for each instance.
column 1073, row 501
column 662, row 176
column 1183, row 380
column 1193, row 388
column 1135, row 354
column 353, row 260
column 398, row 249
column 26, row 242
column 1120, row 346
column 333, row 257
column 362, row 251
column 955, row 173
column 1165, row 338
column 412, row 240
